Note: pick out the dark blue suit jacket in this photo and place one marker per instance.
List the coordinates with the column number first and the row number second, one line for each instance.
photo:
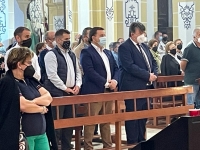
column 134, row 73
column 95, row 75
column 42, row 64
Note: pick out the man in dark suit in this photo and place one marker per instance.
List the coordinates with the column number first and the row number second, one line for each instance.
column 100, row 76
column 138, row 70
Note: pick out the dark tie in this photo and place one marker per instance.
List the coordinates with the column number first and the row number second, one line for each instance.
column 145, row 59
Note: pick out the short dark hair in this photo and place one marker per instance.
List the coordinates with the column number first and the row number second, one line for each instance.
column 18, row 55
column 60, row 32
column 134, row 26
column 19, row 31
column 164, row 32
column 156, row 33
column 93, row 32
column 115, row 44
column 38, row 47
column 85, row 31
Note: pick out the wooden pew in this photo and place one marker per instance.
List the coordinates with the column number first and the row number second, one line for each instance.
column 117, row 117
column 162, row 82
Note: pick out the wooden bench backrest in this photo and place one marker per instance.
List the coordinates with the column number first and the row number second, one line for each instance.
column 117, row 97
column 162, row 81
column 119, row 116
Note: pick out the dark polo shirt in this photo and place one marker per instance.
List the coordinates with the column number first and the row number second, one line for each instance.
column 32, row 123
column 192, row 71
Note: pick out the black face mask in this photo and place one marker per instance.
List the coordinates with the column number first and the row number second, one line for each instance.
column 173, row 51
column 155, row 48
column 26, row 43
column 66, row 44
column 165, row 38
column 29, row 72
column 179, row 47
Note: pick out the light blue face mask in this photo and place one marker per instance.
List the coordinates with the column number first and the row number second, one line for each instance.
column 160, row 38
column 102, row 41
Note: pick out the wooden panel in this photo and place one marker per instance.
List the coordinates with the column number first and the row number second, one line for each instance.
column 62, row 123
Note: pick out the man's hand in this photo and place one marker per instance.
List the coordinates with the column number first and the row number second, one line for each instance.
column 76, row 90
column 152, row 77
column 69, row 91
column 112, row 84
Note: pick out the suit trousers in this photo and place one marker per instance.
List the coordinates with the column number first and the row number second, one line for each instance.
column 136, row 129
column 97, row 109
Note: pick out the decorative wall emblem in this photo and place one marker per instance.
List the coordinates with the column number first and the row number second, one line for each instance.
column 109, row 9
column 186, row 13
column 70, row 15
column 2, row 18
column 131, row 11
column 58, row 22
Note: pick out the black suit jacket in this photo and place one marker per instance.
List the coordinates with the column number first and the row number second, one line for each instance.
column 134, row 73
column 169, row 66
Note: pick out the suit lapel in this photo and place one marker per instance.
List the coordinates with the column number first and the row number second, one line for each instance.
column 150, row 62
column 135, row 49
column 98, row 57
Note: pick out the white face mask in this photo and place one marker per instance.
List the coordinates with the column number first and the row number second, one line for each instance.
column 54, row 43
column 102, row 41
column 198, row 40
column 141, row 38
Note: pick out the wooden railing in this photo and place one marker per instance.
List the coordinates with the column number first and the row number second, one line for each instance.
column 117, row 117
column 163, row 82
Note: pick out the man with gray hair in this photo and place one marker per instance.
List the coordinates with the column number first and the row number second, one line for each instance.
column 190, row 64
column 49, row 38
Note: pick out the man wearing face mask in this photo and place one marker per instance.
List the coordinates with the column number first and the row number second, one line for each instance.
column 138, row 71
column 63, row 78
column 77, row 51
column 23, row 38
column 49, row 38
column 190, row 64
column 100, row 76
column 84, row 42
column 161, row 46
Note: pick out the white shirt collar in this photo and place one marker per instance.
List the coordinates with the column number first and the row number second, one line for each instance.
column 97, row 48
column 134, row 42
column 48, row 47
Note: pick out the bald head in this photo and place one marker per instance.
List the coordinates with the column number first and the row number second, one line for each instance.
column 49, row 37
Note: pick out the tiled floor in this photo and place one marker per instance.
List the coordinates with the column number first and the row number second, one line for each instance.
column 150, row 132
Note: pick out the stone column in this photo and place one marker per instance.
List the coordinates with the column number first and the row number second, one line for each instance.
column 109, row 13
column 75, row 22
column 118, row 19
column 56, row 14
column 97, row 13
column 185, row 19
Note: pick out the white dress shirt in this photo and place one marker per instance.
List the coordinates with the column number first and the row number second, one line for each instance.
column 35, row 64
column 105, row 61
column 145, row 55
column 51, row 65
column 48, row 47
